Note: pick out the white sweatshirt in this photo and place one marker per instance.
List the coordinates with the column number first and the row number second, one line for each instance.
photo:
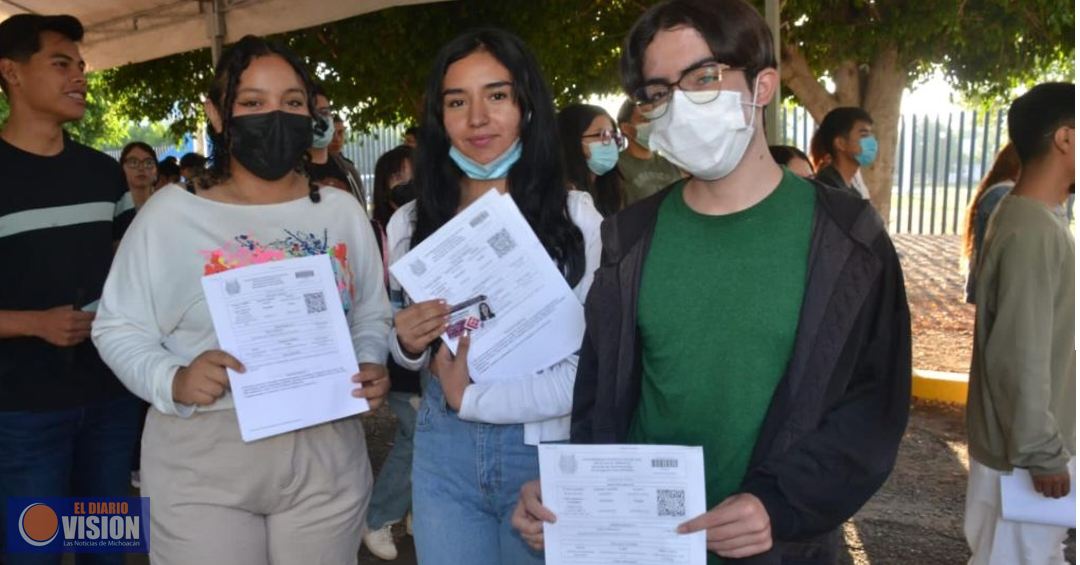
column 541, row 401
column 153, row 318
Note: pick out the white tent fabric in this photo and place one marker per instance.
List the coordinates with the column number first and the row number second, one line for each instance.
column 130, row 31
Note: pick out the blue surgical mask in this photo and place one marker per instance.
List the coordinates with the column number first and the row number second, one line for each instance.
column 322, row 132
column 602, row 158
column 867, row 151
column 498, row 168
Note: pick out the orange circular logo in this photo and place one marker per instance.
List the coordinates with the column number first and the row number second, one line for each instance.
column 38, row 524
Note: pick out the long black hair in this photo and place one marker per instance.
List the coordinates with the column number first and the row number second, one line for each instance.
column 388, row 164
column 606, row 190
column 535, row 182
column 223, row 95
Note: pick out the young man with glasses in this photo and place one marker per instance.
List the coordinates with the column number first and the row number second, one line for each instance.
column 745, row 310
column 67, row 425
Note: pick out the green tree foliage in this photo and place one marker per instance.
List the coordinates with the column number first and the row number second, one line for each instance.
column 375, row 65
column 874, row 49
column 986, row 48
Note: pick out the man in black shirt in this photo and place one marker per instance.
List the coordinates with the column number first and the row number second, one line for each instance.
column 67, row 426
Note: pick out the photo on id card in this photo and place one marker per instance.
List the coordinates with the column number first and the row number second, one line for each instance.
column 471, row 315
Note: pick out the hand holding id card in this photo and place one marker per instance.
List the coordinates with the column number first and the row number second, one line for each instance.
column 503, row 288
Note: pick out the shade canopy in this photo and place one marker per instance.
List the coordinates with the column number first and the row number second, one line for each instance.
column 119, row 32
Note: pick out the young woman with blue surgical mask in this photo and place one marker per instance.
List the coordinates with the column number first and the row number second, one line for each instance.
column 591, row 146
column 488, row 122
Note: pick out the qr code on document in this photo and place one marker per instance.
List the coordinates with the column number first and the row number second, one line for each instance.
column 670, row 502
column 315, row 302
column 502, row 243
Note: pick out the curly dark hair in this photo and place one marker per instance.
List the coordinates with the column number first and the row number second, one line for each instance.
column 223, row 95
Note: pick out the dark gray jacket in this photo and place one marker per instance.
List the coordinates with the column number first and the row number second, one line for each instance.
column 831, row 433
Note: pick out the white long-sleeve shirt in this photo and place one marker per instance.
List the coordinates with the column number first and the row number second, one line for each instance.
column 541, row 401
column 153, row 318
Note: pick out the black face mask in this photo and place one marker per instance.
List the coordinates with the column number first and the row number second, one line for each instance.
column 402, row 194
column 270, row 144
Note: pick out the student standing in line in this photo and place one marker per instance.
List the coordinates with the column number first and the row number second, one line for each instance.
column 747, row 310
column 298, row 497
column 488, row 122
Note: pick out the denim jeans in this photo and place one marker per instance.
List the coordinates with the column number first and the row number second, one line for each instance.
column 392, row 496
column 466, row 478
column 83, row 451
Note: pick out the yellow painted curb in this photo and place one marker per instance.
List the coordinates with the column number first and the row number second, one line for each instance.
column 940, row 386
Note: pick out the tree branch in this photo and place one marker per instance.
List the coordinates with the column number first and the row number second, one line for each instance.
column 796, row 74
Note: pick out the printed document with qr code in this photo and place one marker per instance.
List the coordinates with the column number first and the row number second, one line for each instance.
column 503, row 288
column 622, row 503
column 285, row 322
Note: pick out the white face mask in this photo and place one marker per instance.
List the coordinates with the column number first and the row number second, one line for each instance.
column 706, row 140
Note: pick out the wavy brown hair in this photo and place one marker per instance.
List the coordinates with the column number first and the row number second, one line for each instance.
column 1006, row 167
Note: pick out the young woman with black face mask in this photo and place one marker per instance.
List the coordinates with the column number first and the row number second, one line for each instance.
column 488, row 122
column 291, row 498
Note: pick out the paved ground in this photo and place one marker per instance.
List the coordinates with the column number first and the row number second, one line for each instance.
column 941, row 322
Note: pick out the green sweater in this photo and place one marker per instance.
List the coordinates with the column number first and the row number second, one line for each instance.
column 1021, row 408
column 719, row 306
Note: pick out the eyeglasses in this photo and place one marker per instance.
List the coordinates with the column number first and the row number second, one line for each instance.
column 133, row 163
column 702, row 80
column 607, row 136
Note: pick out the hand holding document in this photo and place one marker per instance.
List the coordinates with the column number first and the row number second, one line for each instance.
column 1021, row 503
column 622, row 503
column 503, row 287
column 284, row 321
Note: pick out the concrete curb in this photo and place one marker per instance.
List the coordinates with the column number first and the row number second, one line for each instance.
column 940, row 386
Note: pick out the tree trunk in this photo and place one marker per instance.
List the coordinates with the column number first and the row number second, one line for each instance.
column 883, row 92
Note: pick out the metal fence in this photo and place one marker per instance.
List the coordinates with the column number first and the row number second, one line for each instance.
column 940, row 160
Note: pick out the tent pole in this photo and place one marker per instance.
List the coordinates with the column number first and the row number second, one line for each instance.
column 215, row 27
column 772, row 116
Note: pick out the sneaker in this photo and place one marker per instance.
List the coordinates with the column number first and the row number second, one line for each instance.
column 408, row 523
column 135, row 480
column 380, row 543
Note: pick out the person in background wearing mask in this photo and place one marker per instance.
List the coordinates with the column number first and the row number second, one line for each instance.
column 337, row 144
column 746, row 310
column 67, row 426
column 591, row 146
column 644, row 171
column 391, row 499
column 393, row 183
column 793, row 158
column 320, row 168
column 842, row 144
column 297, row 497
column 1021, row 405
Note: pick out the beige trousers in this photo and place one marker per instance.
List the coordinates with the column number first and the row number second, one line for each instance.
column 995, row 541
column 294, row 499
